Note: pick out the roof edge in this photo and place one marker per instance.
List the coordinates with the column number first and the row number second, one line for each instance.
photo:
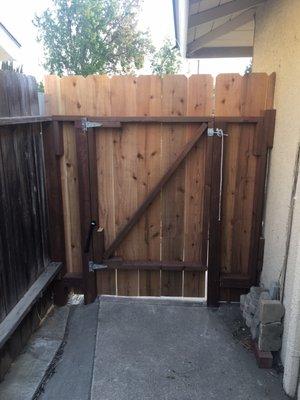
column 180, row 14
column 10, row 35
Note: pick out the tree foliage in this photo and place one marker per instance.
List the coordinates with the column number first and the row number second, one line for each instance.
column 166, row 60
column 92, row 36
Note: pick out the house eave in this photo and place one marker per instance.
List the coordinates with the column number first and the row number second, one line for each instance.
column 226, row 29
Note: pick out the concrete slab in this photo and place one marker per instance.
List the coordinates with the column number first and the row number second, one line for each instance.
column 26, row 373
column 72, row 375
column 152, row 351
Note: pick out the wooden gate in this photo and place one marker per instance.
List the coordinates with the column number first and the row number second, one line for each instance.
column 150, row 177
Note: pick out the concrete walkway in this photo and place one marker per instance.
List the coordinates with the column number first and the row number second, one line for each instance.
column 126, row 349
column 172, row 352
column 72, row 374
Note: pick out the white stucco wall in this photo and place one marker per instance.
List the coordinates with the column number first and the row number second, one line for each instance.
column 277, row 49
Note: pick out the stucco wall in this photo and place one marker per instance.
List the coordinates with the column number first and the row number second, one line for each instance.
column 277, row 48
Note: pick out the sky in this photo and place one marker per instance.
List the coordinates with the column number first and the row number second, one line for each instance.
column 156, row 15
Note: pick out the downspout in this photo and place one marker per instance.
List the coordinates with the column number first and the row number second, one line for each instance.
column 180, row 14
column 292, row 358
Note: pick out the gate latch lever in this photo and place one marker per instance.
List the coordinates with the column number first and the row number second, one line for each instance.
column 88, row 241
column 93, row 266
column 218, row 132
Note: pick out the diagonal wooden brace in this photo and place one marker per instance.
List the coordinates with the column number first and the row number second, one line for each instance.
column 155, row 191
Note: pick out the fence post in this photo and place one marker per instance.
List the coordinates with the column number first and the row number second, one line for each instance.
column 87, row 205
column 214, row 252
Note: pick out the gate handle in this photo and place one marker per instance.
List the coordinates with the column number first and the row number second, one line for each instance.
column 89, row 237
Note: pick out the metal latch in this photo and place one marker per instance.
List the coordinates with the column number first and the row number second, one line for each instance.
column 95, row 267
column 218, row 132
column 84, row 124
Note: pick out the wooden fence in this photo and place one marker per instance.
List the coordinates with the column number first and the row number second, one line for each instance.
column 131, row 161
column 23, row 214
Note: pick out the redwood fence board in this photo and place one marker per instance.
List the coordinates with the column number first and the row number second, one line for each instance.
column 131, row 159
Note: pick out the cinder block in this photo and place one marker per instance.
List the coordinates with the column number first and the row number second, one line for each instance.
column 256, row 320
column 243, row 298
column 270, row 336
column 247, row 313
column 257, row 290
column 248, row 320
column 270, row 311
column 242, row 301
column 254, row 329
column 265, row 296
column 255, row 296
column 253, row 307
column 247, row 300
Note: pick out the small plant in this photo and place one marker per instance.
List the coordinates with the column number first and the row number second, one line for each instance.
column 41, row 87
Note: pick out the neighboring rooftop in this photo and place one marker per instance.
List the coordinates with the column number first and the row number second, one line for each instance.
column 215, row 28
column 9, row 45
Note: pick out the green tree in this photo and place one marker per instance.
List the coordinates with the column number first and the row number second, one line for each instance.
column 92, row 36
column 166, row 60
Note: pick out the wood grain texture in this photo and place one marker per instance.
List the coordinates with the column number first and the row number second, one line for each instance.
column 124, row 102
column 174, row 102
column 24, row 243
column 240, row 96
column 143, row 207
column 200, row 102
column 52, row 95
column 149, row 155
column 131, row 160
column 99, row 86
column 70, row 192
column 73, row 92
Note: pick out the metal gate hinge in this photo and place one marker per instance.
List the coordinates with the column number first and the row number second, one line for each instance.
column 218, row 132
column 95, row 267
column 84, row 124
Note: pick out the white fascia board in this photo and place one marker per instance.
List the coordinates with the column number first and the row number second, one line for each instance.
column 9, row 47
column 182, row 14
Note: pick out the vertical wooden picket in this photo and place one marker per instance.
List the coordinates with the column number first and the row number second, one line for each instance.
column 174, row 103
column 239, row 96
column 73, row 96
column 200, row 98
column 149, row 173
column 123, row 102
column 100, row 87
column 52, row 95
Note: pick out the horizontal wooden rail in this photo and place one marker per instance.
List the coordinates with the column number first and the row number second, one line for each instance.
column 115, row 122
column 118, row 263
column 22, row 308
column 161, row 119
column 235, row 281
column 24, row 120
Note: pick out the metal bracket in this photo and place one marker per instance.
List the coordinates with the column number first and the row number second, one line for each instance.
column 218, row 132
column 95, row 267
column 84, row 124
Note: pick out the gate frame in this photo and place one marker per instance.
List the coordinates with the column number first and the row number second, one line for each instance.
column 264, row 135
